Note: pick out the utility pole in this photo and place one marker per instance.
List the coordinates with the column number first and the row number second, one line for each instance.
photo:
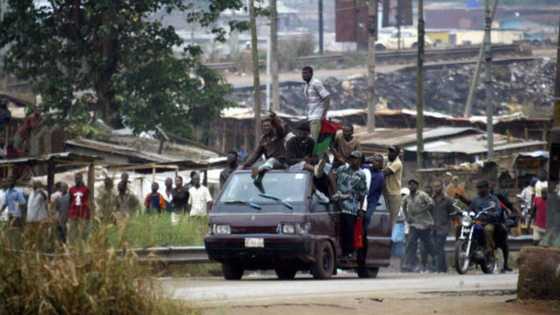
column 274, row 55
column 420, row 89
column 552, row 237
column 321, row 27
column 488, row 80
column 372, row 38
column 256, row 78
column 476, row 78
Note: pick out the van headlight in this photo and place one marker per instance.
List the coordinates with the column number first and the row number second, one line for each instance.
column 294, row 228
column 221, row 229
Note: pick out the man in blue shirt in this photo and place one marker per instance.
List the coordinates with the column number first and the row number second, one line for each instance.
column 13, row 200
column 376, row 182
column 376, row 185
column 485, row 201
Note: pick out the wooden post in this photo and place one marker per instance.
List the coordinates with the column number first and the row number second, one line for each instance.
column 476, row 78
column 256, row 77
column 420, row 89
column 321, row 41
column 91, row 188
column 488, row 81
column 372, row 38
column 274, row 79
column 50, row 177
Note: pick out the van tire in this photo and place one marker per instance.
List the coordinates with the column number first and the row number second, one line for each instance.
column 232, row 271
column 285, row 272
column 367, row 273
column 324, row 265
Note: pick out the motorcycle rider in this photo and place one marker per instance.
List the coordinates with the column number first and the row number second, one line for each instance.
column 485, row 201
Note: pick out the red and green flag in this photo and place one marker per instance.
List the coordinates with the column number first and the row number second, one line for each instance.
column 326, row 136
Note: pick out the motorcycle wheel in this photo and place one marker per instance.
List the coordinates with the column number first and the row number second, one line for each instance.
column 489, row 265
column 462, row 262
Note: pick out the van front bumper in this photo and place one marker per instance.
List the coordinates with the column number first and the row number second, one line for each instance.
column 276, row 248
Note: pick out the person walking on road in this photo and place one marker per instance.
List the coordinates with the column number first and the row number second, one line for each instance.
column 317, row 99
column 417, row 207
column 442, row 213
column 393, row 177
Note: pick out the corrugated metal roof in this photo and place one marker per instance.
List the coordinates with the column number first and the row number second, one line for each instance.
column 61, row 157
column 403, row 137
column 475, row 144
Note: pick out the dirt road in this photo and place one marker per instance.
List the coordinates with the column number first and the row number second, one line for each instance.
column 391, row 292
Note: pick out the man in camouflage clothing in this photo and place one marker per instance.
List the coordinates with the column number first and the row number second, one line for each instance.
column 351, row 188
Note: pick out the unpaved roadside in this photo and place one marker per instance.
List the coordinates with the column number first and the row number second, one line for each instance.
column 424, row 305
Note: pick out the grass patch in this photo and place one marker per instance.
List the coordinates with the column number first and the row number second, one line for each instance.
column 158, row 230
column 89, row 277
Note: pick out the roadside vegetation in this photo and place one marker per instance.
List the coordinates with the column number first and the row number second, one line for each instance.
column 158, row 230
column 91, row 277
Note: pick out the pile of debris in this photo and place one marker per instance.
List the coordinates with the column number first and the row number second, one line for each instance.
column 523, row 83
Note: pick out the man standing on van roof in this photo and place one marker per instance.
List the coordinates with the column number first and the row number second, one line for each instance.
column 393, row 176
column 317, row 100
column 351, row 187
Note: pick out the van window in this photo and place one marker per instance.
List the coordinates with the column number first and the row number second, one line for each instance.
column 289, row 187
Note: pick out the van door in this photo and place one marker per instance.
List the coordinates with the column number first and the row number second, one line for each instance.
column 379, row 236
column 325, row 221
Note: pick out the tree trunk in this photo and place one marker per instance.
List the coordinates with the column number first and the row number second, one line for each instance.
column 539, row 274
column 373, row 5
column 256, row 78
column 274, row 56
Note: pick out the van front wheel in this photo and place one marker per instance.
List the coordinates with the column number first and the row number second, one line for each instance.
column 324, row 265
column 232, row 271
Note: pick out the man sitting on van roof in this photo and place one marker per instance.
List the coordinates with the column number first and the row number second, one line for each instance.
column 299, row 144
column 271, row 145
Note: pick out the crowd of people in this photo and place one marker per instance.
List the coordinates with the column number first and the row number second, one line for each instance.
column 68, row 210
column 353, row 182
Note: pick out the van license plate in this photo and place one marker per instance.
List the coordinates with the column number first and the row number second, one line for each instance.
column 254, row 242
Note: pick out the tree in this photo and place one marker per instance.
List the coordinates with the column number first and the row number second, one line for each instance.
column 114, row 58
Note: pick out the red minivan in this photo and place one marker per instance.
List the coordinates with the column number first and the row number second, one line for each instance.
column 287, row 226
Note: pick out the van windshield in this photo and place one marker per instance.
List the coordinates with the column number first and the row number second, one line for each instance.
column 284, row 188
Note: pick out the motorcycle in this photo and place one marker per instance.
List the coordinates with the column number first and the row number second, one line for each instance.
column 470, row 245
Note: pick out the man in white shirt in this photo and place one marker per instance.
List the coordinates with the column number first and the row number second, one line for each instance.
column 37, row 204
column 317, row 100
column 200, row 199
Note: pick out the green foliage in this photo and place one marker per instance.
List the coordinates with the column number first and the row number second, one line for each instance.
column 157, row 230
column 91, row 279
column 115, row 59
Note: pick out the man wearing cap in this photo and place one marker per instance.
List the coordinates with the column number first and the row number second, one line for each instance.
column 351, row 188
column 299, row 144
column 485, row 201
column 393, row 176
column 417, row 207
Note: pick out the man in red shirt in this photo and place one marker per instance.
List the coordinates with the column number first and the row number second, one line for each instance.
column 79, row 213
